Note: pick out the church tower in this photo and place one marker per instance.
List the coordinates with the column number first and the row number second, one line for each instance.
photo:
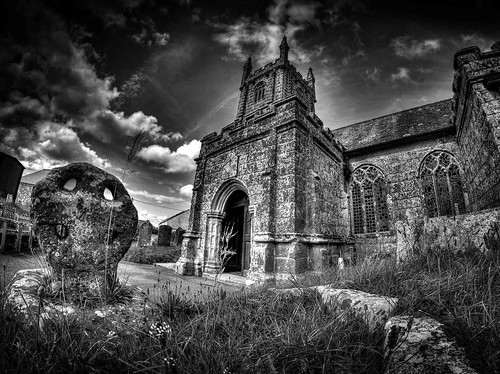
column 269, row 186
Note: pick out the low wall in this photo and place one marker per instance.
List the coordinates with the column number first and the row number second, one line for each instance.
column 472, row 231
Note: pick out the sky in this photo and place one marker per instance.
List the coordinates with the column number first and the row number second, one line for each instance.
column 132, row 86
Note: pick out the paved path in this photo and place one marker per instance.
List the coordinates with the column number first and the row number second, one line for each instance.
column 154, row 280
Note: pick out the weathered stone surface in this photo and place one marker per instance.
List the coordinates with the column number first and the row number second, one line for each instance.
column 375, row 309
column 305, row 200
column 82, row 233
column 178, row 236
column 29, row 294
column 145, row 232
column 421, row 347
column 164, row 235
column 476, row 231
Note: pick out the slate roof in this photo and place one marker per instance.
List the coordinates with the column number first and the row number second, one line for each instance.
column 33, row 178
column 426, row 119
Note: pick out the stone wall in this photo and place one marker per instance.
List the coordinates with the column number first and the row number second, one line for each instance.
column 400, row 166
column 477, row 231
column 477, row 106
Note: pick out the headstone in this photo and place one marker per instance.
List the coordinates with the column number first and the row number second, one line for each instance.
column 164, row 235
column 145, row 231
column 179, row 236
column 85, row 221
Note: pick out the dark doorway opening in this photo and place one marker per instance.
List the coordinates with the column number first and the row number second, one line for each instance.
column 238, row 218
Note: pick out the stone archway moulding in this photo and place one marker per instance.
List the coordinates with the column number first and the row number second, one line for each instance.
column 214, row 222
column 224, row 191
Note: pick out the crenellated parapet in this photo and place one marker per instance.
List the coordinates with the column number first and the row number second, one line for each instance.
column 475, row 71
column 271, row 84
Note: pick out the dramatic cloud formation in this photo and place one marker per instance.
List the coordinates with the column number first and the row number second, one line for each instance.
column 262, row 39
column 81, row 79
column 107, row 126
column 409, row 48
column 53, row 145
column 180, row 160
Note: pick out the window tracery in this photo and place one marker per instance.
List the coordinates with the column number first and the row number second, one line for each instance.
column 259, row 91
column 442, row 184
column 369, row 200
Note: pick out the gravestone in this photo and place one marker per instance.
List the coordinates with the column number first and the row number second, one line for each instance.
column 145, row 232
column 85, row 221
column 179, row 236
column 164, row 235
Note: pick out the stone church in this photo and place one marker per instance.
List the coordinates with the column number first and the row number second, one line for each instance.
column 287, row 195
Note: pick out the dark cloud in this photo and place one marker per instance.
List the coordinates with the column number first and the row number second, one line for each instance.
column 51, row 93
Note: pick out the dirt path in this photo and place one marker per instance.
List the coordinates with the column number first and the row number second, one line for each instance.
column 153, row 280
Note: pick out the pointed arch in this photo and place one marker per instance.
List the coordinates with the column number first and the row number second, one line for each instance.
column 441, row 177
column 369, row 200
column 225, row 190
column 259, row 91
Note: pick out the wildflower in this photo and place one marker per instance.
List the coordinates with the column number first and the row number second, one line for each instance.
column 160, row 330
column 99, row 313
column 111, row 335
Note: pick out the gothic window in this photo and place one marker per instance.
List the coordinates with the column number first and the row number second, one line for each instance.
column 259, row 91
column 442, row 184
column 369, row 200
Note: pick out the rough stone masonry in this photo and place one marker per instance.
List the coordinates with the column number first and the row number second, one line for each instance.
column 82, row 231
column 298, row 194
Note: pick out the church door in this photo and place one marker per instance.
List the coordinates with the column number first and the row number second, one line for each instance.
column 238, row 219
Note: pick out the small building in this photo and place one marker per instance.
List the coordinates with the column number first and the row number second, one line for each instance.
column 180, row 219
column 11, row 171
column 26, row 186
column 14, row 219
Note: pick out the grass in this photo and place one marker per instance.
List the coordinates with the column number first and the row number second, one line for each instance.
column 461, row 290
column 247, row 333
column 266, row 332
column 152, row 254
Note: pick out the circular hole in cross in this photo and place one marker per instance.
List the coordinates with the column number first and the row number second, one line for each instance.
column 108, row 195
column 70, row 184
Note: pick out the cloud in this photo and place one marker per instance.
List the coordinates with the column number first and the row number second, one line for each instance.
column 339, row 13
column 178, row 161
column 146, row 215
column 51, row 146
column 108, row 126
column 51, row 93
column 158, row 198
column 186, row 190
column 403, row 75
column 372, row 74
column 247, row 37
column 51, row 77
column 410, row 49
column 481, row 41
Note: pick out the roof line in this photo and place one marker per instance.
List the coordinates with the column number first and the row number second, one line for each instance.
column 391, row 114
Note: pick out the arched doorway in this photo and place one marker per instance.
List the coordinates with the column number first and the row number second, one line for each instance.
column 237, row 223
